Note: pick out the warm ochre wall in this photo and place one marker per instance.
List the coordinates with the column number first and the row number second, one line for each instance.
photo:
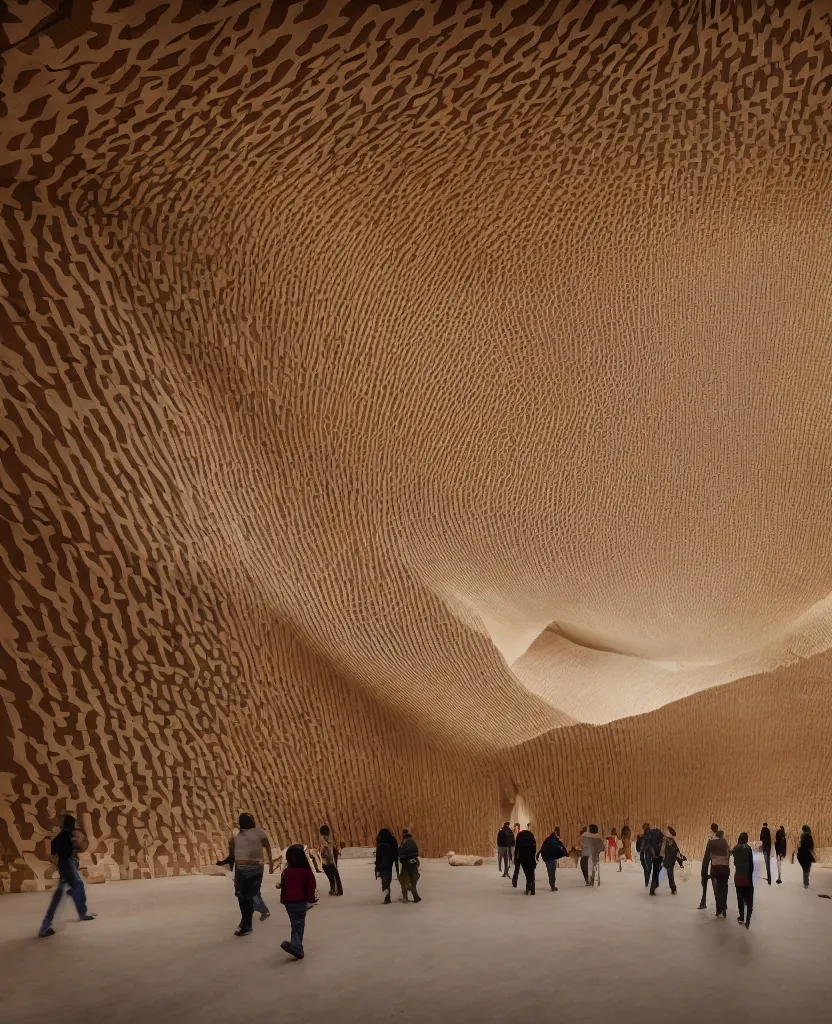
column 387, row 386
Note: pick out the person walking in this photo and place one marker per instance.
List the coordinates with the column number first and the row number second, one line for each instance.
column 670, row 855
column 525, row 851
column 297, row 893
column 652, row 842
column 387, row 859
column 703, row 903
column 409, row 870
column 645, row 854
column 806, row 853
column 627, row 841
column 744, row 878
column 780, row 848
column 612, row 846
column 717, row 863
column 245, row 852
column 65, row 848
column 505, row 848
column 551, row 850
column 329, row 861
column 765, row 846
column 592, row 846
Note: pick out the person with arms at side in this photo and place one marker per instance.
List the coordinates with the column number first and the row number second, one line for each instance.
column 780, row 849
column 505, row 849
column 65, row 848
column 551, row 851
column 765, row 846
column 409, row 867
column 645, row 854
column 329, row 861
column 612, row 845
column 703, row 903
column 297, row 892
column 717, row 863
column 744, row 878
column 246, row 851
column 806, row 853
column 592, row 847
column 652, row 842
column 387, row 860
column 670, row 855
column 525, row 850
column 627, row 841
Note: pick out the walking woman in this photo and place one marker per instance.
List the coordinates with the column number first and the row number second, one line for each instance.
column 409, row 867
column 717, row 863
column 627, row 841
column 297, row 892
column 780, row 849
column 744, row 878
column 329, row 861
column 806, row 853
column 387, row 859
column 245, row 852
column 670, row 855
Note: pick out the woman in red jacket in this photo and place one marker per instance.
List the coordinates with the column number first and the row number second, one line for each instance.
column 297, row 891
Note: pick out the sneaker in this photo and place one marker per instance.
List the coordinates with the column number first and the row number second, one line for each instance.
column 387, row 898
column 265, row 914
column 287, row 947
column 418, row 899
column 779, row 881
column 740, row 920
column 702, row 906
column 243, row 931
column 45, row 935
column 747, row 924
column 87, row 917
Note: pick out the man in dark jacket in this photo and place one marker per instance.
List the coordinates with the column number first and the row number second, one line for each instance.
column 66, row 846
column 551, row 851
column 525, row 849
column 703, row 903
column 765, row 844
column 716, row 863
column 505, row 847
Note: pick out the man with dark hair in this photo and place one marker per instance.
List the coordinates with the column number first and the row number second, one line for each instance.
column 704, row 902
column 65, row 847
column 525, row 851
column 551, row 851
column 717, row 862
column 505, row 846
column 765, row 845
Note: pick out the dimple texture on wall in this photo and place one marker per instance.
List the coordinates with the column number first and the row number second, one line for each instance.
column 386, row 386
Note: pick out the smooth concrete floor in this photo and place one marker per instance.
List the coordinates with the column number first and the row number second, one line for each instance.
column 475, row 950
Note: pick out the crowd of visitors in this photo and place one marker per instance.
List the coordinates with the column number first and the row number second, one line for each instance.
column 658, row 851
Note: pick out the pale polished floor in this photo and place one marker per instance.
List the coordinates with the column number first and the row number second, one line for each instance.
column 475, row 950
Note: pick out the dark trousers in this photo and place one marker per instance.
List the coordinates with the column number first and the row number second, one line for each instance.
column 247, row 882
column 516, row 872
column 658, row 864
column 704, row 891
column 551, row 869
column 331, row 872
column 721, row 893
column 503, row 859
column 647, row 865
column 297, row 920
column 528, row 866
column 767, row 859
column 585, row 868
column 386, row 876
column 745, row 900
column 671, row 875
column 806, row 869
column 69, row 876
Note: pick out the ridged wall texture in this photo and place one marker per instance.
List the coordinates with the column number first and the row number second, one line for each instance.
column 408, row 406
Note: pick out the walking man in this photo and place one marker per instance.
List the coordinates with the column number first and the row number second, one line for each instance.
column 65, row 847
column 703, row 905
column 551, row 850
column 765, row 845
column 525, row 849
column 505, row 848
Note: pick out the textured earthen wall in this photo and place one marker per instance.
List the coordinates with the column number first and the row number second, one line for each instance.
column 468, row 359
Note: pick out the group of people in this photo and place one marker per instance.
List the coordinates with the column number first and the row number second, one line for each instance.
column 658, row 852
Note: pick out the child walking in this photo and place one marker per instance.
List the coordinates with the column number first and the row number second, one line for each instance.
column 297, row 892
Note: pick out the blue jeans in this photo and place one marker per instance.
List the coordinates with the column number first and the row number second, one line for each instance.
column 297, row 920
column 69, row 876
column 551, row 868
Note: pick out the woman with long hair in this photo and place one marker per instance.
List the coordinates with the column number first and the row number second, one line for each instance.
column 744, row 878
column 780, row 848
column 387, row 859
column 806, row 853
column 297, row 891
